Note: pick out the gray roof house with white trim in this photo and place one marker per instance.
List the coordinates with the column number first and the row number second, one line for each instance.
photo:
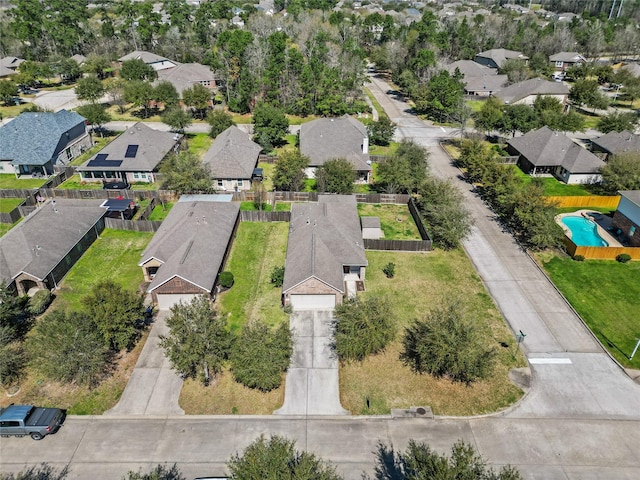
column 527, row 91
column 497, row 57
column 134, row 156
column 326, row 139
column 189, row 250
column 155, row 61
column 33, row 142
column 40, row 250
column 325, row 251
column 614, row 143
column 186, row 75
column 627, row 216
column 563, row 60
column 544, row 152
column 231, row 159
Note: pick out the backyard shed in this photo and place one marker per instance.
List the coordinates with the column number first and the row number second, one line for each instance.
column 371, row 227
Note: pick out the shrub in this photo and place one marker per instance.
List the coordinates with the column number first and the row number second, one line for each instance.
column 226, row 279
column 623, row 258
column 445, row 343
column 277, row 276
column 389, row 269
column 363, row 327
column 39, row 302
column 579, row 258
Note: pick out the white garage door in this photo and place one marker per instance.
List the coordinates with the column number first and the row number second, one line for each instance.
column 166, row 301
column 312, row 302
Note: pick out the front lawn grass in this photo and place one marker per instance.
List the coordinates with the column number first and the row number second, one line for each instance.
column 9, row 181
column 8, row 204
column 606, row 294
column 199, row 143
column 115, row 256
column 257, row 248
column 395, row 220
column 387, row 150
column 76, row 183
column 160, row 212
column 423, row 280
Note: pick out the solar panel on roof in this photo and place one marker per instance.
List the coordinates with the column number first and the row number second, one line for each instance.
column 104, row 163
column 101, row 156
column 132, row 150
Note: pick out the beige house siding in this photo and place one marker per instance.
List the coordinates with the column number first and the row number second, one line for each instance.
column 232, row 185
column 151, row 263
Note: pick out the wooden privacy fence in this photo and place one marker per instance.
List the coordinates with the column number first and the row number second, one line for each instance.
column 134, row 225
column 146, row 213
column 398, row 245
column 257, row 216
column 600, row 253
column 10, row 217
column 394, row 198
column 586, row 201
column 413, row 210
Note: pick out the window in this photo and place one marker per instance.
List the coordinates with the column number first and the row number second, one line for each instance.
column 240, row 182
column 220, row 183
column 559, row 64
column 143, row 175
column 69, row 154
column 67, row 259
column 135, row 175
column 79, row 247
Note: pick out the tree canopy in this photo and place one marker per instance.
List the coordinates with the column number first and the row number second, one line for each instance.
column 335, row 176
column 184, row 172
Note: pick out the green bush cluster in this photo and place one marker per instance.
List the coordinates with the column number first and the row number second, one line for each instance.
column 277, row 276
column 389, row 270
column 39, row 302
column 623, row 258
column 226, row 279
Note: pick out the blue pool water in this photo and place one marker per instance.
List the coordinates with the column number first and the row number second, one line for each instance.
column 584, row 232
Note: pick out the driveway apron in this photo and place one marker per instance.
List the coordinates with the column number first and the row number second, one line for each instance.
column 311, row 386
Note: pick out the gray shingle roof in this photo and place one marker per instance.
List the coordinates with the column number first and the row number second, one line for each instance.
column 544, row 147
column 323, row 237
column 632, row 195
column 485, row 83
column 370, row 222
column 501, row 55
column 6, row 72
column 153, row 146
column 38, row 243
column 329, row 138
column 469, row 68
column 618, row 142
column 192, row 241
column 146, row 57
column 570, row 57
column 35, row 138
column 232, row 155
column 185, row 75
column 533, row 86
column 633, row 68
column 11, row 62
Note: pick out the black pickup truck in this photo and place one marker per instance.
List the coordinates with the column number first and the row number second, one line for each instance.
column 21, row 420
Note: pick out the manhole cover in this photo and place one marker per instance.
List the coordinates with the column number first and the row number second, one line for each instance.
column 420, row 411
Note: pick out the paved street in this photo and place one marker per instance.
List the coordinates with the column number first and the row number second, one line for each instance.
column 580, row 420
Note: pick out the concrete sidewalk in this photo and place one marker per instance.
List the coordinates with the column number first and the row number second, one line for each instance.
column 154, row 388
column 311, row 386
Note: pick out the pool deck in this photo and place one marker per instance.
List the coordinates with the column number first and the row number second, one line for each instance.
column 603, row 224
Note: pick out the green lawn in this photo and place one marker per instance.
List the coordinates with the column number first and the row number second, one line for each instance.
column 475, row 105
column 257, row 249
column 8, row 204
column 75, row 183
column 10, row 182
column 590, row 120
column 554, row 187
column 267, row 175
column 250, row 206
column 375, row 103
column 160, row 212
column 386, row 150
column 145, row 186
column 395, row 220
column 606, row 294
column 199, row 143
column 99, row 144
column 423, row 280
column 115, row 255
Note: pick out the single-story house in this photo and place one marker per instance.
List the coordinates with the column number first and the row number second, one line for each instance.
column 527, row 91
column 6, row 72
column 132, row 157
column 155, row 61
column 232, row 159
column 33, row 142
column 564, row 60
column 614, row 143
column 39, row 251
column 186, row 75
column 189, row 250
column 79, row 59
column 325, row 253
column 627, row 216
column 497, row 57
column 546, row 152
column 371, row 227
column 478, row 79
column 326, row 139
column 632, row 68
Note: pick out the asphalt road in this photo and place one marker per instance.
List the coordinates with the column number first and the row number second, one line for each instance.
column 580, row 420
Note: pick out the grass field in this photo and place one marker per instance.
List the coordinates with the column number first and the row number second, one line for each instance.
column 115, row 255
column 423, row 280
column 386, row 150
column 258, row 248
column 76, row 183
column 199, row 143
column 267, row 175
column 554, row 187
column 160, row 212
column 606, row 294
column 8, row 204
column 10, row 182
column 5, row 227
column 395, row 220
column 99, row 144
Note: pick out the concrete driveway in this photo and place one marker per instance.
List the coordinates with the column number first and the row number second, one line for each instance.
column 154, row 388
column 311, row 386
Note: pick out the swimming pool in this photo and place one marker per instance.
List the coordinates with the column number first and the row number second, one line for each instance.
column 584, row 232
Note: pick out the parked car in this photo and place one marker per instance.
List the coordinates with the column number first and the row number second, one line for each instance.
column 38, row 422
